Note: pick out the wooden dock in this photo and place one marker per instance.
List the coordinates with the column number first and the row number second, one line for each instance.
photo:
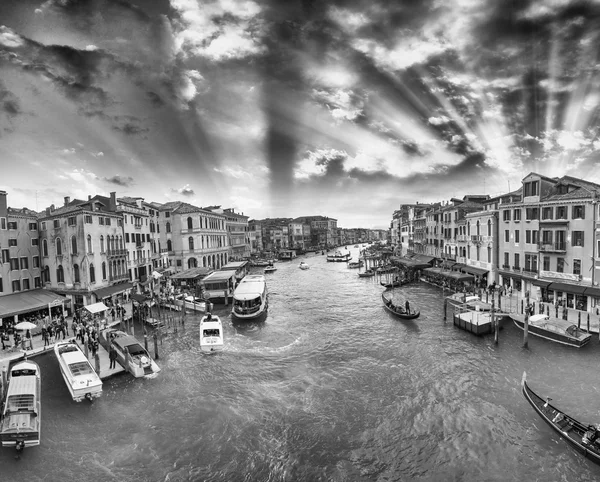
column 105, row 371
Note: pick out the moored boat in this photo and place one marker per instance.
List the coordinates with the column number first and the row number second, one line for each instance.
column 367, row 274
column 131, row 355
column 250, row 298
column 398, row 310
column 583, row 438
column 356, row 264
column 211, row 334
column 393, row 284
column 270, row 269
column 558, row 331
column 337, row 256
column 191, row 302
column 79, row 376
column 20, row 422
column 387, row 269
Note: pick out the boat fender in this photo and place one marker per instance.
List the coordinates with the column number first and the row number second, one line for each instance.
column 20, row 445
column 88, row 396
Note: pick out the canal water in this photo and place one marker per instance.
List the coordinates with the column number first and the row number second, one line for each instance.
column 329, row 387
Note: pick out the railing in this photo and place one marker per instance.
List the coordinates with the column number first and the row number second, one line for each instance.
column 516, row 268
column 476, row 238
column 552, row 247
column 530, row 270
column 116, row 252
column 506, row 266
column 462, row 237
column 119, row 277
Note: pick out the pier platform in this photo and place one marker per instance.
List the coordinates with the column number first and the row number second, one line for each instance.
column 105, row 371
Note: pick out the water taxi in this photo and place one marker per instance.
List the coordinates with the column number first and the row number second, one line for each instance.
column 192, row 303
column 20, row 423
column 131, row 355
column 337, row 256
column 81, row 379
column 270, row 269
column 303, row 265
column 211, row 334
column 556, row 330
column 250, row 298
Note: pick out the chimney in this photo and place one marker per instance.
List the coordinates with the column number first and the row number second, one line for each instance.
column 47, row 211
column 89, row 197
column 113, row 201
column 51, row 208
column 67, row 200
column 3, row 204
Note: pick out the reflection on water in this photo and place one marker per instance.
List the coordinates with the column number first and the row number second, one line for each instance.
column 329, row 386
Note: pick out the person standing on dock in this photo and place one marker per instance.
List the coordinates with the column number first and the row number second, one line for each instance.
column 407, row 306
column 112, row 355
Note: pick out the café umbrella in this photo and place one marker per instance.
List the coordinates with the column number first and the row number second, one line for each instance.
column 25, row 325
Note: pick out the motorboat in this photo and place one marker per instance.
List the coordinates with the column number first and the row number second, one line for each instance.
column 559, row 331
column 387, row 269
column 270, row 269
column 585, row 439
column 367, row 274
column 337, row 256
column 191, row 302
column 399, row 310
column 250, row 298
column 131, row 355
column 20, row 422
column 211, row 334
column 395, row 283
column 356, row 264
column 81, row 379
column 303, row 265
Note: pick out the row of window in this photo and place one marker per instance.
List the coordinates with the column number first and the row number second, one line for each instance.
column 87, row 219
column 22, row 284
column 19, row 263
column 115, row 268
column 548, row 237
column 14, row 225
column 548, row 212
column 531, row 263
column 112, row 243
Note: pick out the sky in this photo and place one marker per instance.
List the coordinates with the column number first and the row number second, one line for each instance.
column 343, row 108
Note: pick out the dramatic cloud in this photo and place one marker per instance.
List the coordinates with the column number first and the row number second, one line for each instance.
column 184, row 191
column 123, row 181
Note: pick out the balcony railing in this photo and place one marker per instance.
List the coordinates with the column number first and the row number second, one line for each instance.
column 476, row 238
column 530, row 270
column 556, row 247
column 119, row 277
column 506, row 266
column 116, row 252
column 462, row 237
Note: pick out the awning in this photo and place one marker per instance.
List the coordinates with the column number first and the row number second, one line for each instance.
column 575, row 289
column 458, row 266
column 541, row 283
column 156, row 274
column 595, row 292
column 447, row 264
column 112, row 290
column 96, row 307
column 138, row 298
column 28, row 301
column 423, row 258
column 458, row 276
column 508, row 274
column 473, row 270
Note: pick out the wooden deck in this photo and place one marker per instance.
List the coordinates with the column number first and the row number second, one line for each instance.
column 105, row 371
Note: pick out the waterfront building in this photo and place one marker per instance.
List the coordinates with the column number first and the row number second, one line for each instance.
column 296, row 234
column 83, row 250
column 194, row 237
column 548, row 241
column 20, row 268
column 323, row 230
column 420, row 228
column 255, row 235
column 433, row 229
column 237, row 230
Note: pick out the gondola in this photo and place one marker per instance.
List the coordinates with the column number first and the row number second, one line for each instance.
column 583, row 438
column 398, row 311
column 393, row 284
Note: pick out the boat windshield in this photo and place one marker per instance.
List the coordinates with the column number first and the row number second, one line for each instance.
column 23, row 372
column 136, row 350
column 22, row 402
column 80, row 368
column 210, row 332
column 248, row 303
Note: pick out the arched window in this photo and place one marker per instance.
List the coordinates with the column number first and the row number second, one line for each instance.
column 478, row 233
column 168, row 227
column 45, row 248
column 169, row 245
column 489, row 232
column 47, row 274
column 192, row 263
column 60, row 274
column 102, row 245
column 89, row 244
column 76, row 273
column 103, row 270
column 189, row 223
column 191, row 242
column 204, row 262
column 469, row 229
column 74, row 244
column 58, row 247
column 92, row 274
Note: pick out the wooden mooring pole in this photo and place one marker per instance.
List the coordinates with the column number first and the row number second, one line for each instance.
column 155, row 338
column 495, row 321
column 526, row 324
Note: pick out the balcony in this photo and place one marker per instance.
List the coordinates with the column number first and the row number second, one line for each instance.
column 556, row 247
column 530, row 270
column 462, row 237
column 116, row 252
column 506, row 266
column 516, row 268
column 476, row 238
column 556, row 222
column 138, row 262
column 119, row 277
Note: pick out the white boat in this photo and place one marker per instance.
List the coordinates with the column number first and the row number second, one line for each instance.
column 20, row 423
column 270, row 269
column 337, row 256
column 303, row 265
column 131, row 355
column 211, row 334
column 250, row 298
column 554, row 329
column 81, row 379
column 191, row 303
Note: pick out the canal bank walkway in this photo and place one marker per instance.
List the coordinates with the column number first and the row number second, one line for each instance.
column 12, row 354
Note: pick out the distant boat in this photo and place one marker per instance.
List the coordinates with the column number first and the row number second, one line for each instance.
column 583, row 438
column 79, row 376
column 303, row 265
column 211, row 334
column 366, row 274
column 270, row 269
column 394, row 284
column 337, row 256
column 21, row 419
column 356, row 264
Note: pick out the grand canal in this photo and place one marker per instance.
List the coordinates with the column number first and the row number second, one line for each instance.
column 328, row 388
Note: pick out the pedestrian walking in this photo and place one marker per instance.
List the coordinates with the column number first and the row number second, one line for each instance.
column 50, row 334
column 4, row 337
column 112, row 355
column 28, row 340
